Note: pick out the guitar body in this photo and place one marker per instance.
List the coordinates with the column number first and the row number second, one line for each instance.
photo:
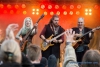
column 45, row 45
column 23, row 44
column 76, row 44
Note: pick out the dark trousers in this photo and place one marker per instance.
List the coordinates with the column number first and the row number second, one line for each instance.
column 79, row 55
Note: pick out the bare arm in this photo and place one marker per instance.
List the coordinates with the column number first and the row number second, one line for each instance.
column 10, row 31
column 70, row 56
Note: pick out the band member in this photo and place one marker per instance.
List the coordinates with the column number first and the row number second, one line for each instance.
column 53, row 28
column 27, row 26
column 83, row 45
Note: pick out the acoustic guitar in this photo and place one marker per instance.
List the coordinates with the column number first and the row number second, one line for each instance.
column 80, row 39
column 25, row 38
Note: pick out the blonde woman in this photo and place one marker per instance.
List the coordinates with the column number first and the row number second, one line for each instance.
column 27, row 26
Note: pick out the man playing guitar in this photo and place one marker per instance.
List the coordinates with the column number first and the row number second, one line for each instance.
column 83, row 45
column 52, row 29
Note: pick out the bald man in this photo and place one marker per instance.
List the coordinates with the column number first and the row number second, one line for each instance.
column 83, row 45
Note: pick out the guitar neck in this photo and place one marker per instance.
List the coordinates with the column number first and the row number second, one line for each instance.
column 57, row 36
column 33, row 27
column 86, row 33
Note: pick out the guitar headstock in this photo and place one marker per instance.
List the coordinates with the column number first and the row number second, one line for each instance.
column 42, row 16
column 97, row 28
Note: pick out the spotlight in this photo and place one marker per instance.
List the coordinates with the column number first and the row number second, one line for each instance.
column 86, row 10
column 11, row 11
column 77, row 12
column 71, row 12
column 49, row 6
column 16, row 6
column 96, row 6
column 79, row 6
column 64, row 7
column 23, row 6
column 9, row 6
column 56, row 6
column 1, row 5
column 33, row 12
column 65, row 12
column 45, row 13
column 51, row 13
column 24, row 12
column 33, row 9
column 42, row 6
column 37, row 13
column 58, row 13
column 71, row 6
column 86, row 13
column 90, row 13
column 90, row 10
column 37, row 9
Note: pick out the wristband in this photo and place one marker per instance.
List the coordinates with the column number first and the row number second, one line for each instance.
column 68, row 43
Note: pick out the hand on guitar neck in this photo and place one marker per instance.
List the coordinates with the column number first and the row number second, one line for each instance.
column 35, row 25
column 48, row 41
column 77, row 35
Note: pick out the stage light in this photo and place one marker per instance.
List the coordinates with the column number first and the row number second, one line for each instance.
column 42, row 6
column 49, row 6
column 71, row 12
column 90, row 10
column 16, row 6
column 1, row 5
column 90, row 13
column 77, row 12
column 24, row 12
column 23, row 6
column 33, row 12
column 64, row 7
column 58, row 13
column 11, row 11
column 86, row 13
column 9, row 6
column 45, row 13
column 71, row 6
column 33, row 9
column 51, row 13
column 37, row 13
column 96, row 7
column 37, row 9
column 79, row 6
column 86, row 10
column 65, row 12
column 56, row 6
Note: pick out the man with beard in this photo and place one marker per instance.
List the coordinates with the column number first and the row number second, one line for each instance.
column 53, row 28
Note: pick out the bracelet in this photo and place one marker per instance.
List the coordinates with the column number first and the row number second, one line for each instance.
column 68, row 43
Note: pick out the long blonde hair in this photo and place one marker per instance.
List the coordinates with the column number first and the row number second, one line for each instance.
column 28, row 18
